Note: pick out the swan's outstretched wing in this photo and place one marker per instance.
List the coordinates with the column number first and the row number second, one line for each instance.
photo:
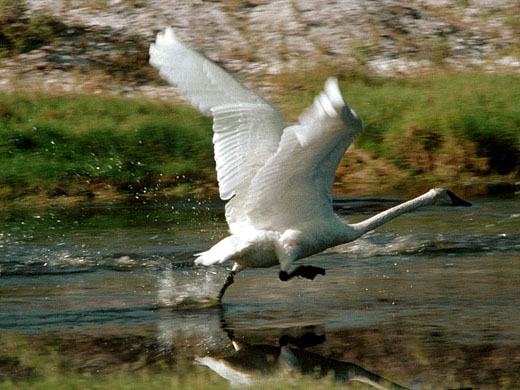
column 247, row 129
column 295, row 185
column 244, row 137
column 202, row 82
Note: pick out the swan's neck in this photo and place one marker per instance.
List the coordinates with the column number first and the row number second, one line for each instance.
column 379, row 219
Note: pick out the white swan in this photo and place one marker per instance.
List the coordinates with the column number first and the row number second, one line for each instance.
column 277, row 179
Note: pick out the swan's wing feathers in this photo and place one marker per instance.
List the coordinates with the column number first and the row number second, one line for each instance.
column 295, row 185
column 244, row 137
column 275, row 183
column 247, row 129
column 202, row 82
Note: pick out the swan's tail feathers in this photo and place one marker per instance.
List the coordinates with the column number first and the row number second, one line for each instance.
column 218, row 253
column 208, row 257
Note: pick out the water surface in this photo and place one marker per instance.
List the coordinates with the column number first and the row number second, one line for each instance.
column 430, row 300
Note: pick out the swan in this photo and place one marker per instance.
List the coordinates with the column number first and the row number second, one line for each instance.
column 277, row 179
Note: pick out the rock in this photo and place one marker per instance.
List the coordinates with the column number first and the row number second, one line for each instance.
column 259, row 37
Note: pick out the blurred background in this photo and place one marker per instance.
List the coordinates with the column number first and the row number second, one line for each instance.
column 85, row 119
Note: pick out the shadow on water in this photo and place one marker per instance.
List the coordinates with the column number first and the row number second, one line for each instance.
column 429, row 301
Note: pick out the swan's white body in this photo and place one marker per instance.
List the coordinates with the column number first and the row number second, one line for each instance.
column 277, row 179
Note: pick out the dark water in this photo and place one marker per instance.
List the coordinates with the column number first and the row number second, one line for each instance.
column 431, row 300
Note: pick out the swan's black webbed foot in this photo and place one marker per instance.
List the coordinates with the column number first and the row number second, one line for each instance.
column 303, row 271
column 308, row 271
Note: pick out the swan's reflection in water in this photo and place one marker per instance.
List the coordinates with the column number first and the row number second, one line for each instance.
column 252, row 364
column 230, row 340
column 245, row 363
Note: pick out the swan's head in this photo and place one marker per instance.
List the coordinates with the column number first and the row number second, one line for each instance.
column 444, row 197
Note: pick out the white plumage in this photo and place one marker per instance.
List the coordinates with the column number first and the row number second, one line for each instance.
column 277, row 179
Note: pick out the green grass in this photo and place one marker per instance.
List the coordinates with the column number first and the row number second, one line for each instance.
column 464, row 123
column 477, row 107
column 442, row 129
column 482, row 109
column 50, row 143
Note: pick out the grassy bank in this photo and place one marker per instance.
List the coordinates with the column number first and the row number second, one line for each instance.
column 452, row 129
column 459, row 130
column 85, row 146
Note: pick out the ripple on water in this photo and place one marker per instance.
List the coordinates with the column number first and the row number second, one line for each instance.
column 430, row 296
column 384, row 244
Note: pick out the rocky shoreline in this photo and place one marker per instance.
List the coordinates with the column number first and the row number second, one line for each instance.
column 102, row 46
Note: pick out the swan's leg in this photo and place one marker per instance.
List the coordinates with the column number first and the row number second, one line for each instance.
column 229, row 280
column 304, row 271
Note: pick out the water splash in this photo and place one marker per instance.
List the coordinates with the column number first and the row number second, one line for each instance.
column 189, row 285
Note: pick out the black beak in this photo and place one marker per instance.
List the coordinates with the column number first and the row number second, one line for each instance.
column 456, row 201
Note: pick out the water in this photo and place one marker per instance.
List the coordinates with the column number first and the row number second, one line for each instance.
column 430, row 300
